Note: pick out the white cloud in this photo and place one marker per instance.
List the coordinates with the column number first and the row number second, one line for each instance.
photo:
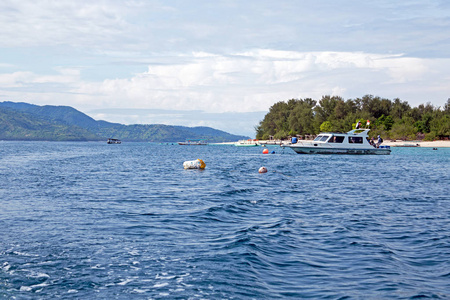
column 248, row 81
column 253, row 81
column 20, row 79
column 155, row 26
column 50, row 23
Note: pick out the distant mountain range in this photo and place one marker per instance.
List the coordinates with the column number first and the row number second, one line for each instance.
column 23, row 121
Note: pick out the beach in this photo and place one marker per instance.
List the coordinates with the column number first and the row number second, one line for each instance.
column 431, row 144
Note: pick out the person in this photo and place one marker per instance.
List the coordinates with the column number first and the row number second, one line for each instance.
column 379, row 141
column 358, row 125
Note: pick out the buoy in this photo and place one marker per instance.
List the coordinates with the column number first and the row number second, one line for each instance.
column 266, row 151
column 262, row 170
column 194, row 164
column 273, row 152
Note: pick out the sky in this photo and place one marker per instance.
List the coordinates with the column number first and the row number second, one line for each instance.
column 219, row 63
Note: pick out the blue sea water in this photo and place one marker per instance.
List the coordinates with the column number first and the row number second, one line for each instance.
column 98, row 221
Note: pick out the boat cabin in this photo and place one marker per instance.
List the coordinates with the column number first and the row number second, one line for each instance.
column 333, row 138
column 351, row 137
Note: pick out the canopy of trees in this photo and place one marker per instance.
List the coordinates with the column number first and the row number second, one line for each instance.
column 391, row 119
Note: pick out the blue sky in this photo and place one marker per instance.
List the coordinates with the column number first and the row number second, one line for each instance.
column 219, row 63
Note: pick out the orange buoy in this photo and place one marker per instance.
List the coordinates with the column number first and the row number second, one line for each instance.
column 262, row 170
column 266, row 151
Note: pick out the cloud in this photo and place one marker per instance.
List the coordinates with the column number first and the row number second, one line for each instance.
column 37, row 23
column 248, row 81
column 20, row 79
column 224, row 26
column 254, row 80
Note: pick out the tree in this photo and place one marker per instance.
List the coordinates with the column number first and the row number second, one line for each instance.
column 399, row 108
column 326, row 107
column 393, row 118
column 384, row 122
column 403, row 130
column 447, row 106
column 326, row 126
column 301, row 118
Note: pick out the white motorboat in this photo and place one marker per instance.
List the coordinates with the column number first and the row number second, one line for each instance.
column 355, row 141
column 247, row 143
column 193, row 142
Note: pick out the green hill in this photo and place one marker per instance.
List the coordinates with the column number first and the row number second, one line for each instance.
column 16, row 125
column 23, row 121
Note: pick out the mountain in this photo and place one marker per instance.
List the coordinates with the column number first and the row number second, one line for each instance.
column 15, row 125
column 23, row 121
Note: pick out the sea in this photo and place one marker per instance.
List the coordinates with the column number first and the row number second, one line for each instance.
column 87, row 220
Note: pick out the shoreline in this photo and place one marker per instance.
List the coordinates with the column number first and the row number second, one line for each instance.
column 430, row 144
column 398, row 143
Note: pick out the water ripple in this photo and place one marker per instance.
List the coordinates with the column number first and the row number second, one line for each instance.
column 86, row 220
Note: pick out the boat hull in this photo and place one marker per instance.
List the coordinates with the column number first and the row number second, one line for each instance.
column 192, row 144
column 319, row 150
column 246, row 145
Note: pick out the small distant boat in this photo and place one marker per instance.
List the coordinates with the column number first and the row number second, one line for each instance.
column 193, row 143
column 114, row 141
column 355, row 141
column 407, row 145
column 272, row 143
column 247, row 143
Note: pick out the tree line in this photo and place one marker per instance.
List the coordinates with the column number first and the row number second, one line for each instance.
column 393, row 119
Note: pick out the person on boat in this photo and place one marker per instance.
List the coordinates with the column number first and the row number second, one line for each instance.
column 379, row 141
column 358, row 125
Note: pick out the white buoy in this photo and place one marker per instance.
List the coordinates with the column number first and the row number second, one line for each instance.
column 262, row 170
column 194, row 164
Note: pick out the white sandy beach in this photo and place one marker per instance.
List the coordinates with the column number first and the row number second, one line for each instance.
column 432, row 144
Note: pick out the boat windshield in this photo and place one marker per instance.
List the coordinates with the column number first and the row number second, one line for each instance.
column 318, row 138
column 324, row 138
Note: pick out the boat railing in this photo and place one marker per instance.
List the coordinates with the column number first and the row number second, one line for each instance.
column 360, row 131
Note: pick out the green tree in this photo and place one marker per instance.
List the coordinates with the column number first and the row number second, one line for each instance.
column 391, row 118
column 326, row 126
column 399, row 109
column 384, row 122
column 301, row 118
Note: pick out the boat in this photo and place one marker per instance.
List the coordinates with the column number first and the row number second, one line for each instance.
column 407, row 145
column 247, row 143
column 272, row 143
column 114, row 141
column 355, row 141
column 193, row 142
